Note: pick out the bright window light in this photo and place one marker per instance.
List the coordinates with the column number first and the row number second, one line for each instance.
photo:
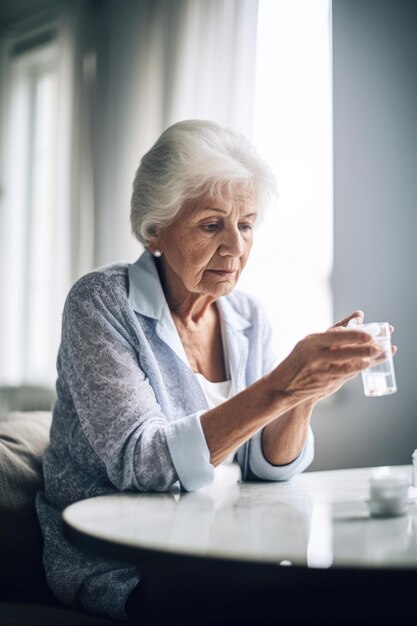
column 41, row 253
column 29, row 334
column 291, row 262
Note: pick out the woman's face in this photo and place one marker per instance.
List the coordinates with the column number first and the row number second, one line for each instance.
column 207, row 245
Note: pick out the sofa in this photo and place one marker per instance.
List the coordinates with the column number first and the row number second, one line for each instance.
column 24, row 595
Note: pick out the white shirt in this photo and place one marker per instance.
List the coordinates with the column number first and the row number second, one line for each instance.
column 216, row 393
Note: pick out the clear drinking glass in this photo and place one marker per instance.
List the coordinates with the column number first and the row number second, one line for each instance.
column 379, row 378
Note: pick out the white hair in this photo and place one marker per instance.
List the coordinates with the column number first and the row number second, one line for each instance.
column 190, row 159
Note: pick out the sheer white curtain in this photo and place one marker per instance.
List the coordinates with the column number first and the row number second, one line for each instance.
column 212, row 74
column 120, row 73
column 166, row 61
column 46, row 205
column 32, row 247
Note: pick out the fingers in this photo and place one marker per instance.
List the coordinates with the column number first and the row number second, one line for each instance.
column 341, row 372
column 320, row 363
column 341, row 336
column 338, row 355
column 383, row 356
column 358, row 314
column 348, row 362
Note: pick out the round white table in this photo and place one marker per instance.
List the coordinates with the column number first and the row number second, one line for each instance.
column 310, row 538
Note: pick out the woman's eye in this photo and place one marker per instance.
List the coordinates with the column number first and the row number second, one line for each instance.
column 245, row 227
column 211, row 228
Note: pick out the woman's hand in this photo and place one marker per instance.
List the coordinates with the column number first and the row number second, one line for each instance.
column 281, row 402
column 321, row 363
column 358, row 316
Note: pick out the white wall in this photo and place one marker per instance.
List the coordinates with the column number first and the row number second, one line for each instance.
column 375, row 198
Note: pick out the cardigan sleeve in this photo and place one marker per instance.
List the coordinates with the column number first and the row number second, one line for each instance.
column 116, row 405
column 260, row 468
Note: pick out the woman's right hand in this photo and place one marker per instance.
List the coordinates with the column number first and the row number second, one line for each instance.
column 321, row 363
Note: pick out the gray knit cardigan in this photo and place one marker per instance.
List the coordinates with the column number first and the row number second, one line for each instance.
column 127, row 415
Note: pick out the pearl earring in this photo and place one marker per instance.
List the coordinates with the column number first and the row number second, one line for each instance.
column 157, row 253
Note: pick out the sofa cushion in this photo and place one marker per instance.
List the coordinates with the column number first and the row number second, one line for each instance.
column 38, row 614
column 23, row 439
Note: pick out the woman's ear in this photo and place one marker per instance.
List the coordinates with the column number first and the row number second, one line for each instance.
column 155, row 245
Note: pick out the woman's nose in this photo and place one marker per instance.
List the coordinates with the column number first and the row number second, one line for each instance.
column 232, row 243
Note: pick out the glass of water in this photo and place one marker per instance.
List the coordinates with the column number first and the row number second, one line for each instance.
column 379, row 378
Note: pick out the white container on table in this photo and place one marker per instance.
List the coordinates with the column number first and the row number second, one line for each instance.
column 388, row 492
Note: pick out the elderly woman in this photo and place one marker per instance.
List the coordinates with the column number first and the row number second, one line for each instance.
column 164, row 371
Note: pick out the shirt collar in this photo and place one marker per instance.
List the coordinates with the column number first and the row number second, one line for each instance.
column 147, row 297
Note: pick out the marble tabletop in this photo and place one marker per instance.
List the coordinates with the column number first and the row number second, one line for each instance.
column 318, row 519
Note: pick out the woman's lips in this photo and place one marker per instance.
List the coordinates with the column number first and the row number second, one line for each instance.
column 225, row 273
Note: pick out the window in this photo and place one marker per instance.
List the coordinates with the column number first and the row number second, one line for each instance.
column 30, row 215
column 291, row 262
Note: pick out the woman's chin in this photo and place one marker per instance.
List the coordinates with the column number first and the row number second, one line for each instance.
column 223, row 289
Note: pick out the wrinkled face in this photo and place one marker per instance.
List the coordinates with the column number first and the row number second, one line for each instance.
column 207, row 245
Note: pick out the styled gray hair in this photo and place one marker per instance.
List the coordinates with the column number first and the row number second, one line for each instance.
column 190, row 159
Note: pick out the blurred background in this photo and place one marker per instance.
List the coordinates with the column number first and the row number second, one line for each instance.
column 326, row 90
